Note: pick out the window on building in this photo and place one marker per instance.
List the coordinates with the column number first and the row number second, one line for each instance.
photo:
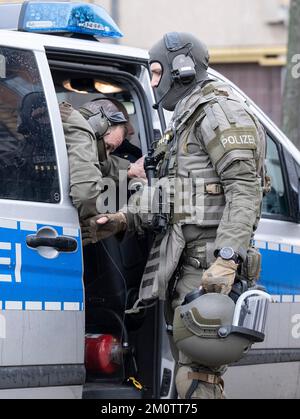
column 28, row 169
column 275, row 202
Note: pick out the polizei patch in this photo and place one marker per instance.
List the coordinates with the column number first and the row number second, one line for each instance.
column 237, row 138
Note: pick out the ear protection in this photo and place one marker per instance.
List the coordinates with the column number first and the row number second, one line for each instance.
column 182, row 66
column 99, row 122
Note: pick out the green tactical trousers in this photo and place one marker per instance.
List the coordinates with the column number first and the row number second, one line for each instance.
column 189, row 280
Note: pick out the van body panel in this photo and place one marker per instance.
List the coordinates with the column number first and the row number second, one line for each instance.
column 41, row 300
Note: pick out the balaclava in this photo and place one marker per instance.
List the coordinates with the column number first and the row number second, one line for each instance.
column 34, row 116
column 172, row 86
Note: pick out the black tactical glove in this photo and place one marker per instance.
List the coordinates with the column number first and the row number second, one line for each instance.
column 102, row 226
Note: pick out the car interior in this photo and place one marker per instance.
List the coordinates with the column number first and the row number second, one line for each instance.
column 113, row 268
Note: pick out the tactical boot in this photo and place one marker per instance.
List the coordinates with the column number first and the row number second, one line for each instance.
column 198, row 385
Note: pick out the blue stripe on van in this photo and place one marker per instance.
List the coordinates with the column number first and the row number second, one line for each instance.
column 280, row 271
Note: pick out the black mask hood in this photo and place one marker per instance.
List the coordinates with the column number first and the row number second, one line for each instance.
column 172, row 88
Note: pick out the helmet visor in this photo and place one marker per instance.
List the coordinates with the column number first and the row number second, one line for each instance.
column 251, row 311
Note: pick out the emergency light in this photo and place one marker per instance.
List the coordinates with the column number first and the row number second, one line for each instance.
column 53, row 17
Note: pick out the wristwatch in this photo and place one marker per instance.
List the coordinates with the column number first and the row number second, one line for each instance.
column 227, row 253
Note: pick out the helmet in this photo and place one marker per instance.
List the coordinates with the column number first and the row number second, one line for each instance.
column 184, row 60
column 212, row 330
column 101, row 114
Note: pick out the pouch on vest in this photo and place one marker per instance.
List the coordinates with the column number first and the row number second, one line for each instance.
column 199, row 256
column 226, row 141
column 252, row 265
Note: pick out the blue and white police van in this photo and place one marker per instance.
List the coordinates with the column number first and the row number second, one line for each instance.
column 63, row 328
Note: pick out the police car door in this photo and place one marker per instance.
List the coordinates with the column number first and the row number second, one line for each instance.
column 41, row 289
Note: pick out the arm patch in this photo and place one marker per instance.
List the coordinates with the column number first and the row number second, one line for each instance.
column 232, row 142
column 239, row 138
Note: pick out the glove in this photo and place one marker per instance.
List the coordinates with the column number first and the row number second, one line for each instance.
column 220, row 276
column 102, row 226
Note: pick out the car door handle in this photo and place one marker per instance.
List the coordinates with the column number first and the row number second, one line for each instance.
column 61, row 243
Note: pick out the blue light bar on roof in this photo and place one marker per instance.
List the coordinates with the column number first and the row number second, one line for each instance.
column 51, row 17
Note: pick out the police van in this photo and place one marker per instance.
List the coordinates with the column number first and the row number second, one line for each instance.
column 64, row 332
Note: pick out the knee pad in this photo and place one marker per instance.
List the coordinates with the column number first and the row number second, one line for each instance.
column 198, row 385
column 183, row 383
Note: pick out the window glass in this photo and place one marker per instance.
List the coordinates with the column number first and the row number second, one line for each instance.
column 275, row 202
column 28, row 169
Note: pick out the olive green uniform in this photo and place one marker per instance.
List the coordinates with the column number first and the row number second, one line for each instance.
column 218, row 142
column 88, row 163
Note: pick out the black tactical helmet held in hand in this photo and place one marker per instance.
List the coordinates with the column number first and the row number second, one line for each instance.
column 184, row 60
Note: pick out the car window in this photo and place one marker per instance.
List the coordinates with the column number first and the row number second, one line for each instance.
column 275, row 202
column 28, row 169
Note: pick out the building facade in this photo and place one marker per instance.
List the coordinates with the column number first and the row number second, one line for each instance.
column 247, row 39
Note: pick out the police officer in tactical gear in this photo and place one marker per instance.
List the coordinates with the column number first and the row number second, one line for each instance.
column 88, row 161
column 92, row 134
column 214, row 141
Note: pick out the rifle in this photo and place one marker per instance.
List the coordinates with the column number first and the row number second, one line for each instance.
column 160, row 221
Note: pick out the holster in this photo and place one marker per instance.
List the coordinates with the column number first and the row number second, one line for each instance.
column 251, row 267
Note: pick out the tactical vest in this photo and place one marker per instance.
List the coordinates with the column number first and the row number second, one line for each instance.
column 191, row 153
column 210, row 130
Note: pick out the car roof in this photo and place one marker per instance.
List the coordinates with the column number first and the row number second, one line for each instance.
column 76, row 44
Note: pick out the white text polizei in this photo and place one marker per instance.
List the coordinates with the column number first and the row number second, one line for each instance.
column 238, row 140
